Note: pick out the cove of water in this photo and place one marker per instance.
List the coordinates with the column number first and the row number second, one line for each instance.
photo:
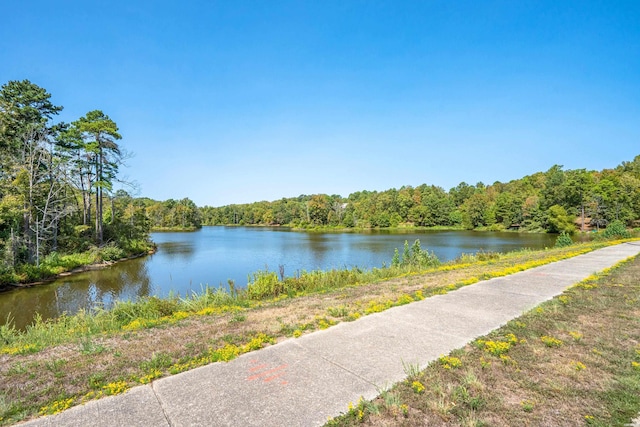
column 188, row 261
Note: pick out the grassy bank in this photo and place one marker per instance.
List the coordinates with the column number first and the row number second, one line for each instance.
column 571, row 361
column 55, row 364
column 174, row 229
column 55, row 263
column 359, row 229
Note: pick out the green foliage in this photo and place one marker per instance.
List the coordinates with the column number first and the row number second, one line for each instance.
column 173, row 214
column 108, row 253
column 559, row 221
column 266, row 284
column 395, row 261
column 550, row 201
column 263, row 284
column 414, row 258
column 54, row 179
column 563, row 240
column 616, row 230
column 153, row 307
column 56, row 263
column 209, row 297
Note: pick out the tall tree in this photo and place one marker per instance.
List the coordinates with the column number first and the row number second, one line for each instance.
column 23, row 105
column 577, row 187
column 100, row 134
column 29, row 167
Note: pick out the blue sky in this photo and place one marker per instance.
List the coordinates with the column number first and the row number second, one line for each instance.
column 239, row 101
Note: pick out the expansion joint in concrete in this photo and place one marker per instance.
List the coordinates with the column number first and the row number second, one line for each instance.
column 164, row 411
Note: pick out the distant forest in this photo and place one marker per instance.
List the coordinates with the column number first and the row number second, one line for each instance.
column 553, row 201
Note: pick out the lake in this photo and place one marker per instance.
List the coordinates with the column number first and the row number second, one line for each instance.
column 188, row 261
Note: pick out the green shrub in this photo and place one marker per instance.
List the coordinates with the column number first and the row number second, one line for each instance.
column 497, row 227
column 136, row 246
column 109, row 253
column 483, row 255
column 162, row 306
column 32, row 272
column 559, row 220
column 616, row 230
column 414, row 258
column 8, row 276
column 563, row 240
column 264, row 284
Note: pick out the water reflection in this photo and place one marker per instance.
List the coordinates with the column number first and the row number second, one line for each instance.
column 185, row 262
column 83, row 291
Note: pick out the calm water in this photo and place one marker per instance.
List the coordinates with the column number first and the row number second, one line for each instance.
column 186, row 262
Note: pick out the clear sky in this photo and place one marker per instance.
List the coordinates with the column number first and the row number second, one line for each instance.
column 240, row 101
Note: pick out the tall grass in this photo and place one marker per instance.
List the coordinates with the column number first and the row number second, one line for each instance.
column 266, row 284
column 125, row 315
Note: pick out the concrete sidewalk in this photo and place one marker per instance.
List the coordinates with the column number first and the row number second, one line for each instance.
column 302, row 382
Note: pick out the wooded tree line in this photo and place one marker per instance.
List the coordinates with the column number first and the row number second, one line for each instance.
column 554, row 201
column 173, row 214
column 57, row 180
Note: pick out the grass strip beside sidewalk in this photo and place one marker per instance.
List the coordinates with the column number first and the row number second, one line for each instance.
column 574, row 360
column 57, row 364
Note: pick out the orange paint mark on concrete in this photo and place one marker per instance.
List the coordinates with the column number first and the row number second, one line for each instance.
column 257, row 368
column 267, row 374
column 263, row 373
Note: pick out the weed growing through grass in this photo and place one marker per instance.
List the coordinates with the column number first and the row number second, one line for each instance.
column 527, row 405
column 411, row 370
column 392, row 402
column 158, row 362
column 87, row 346
column 577, row 336
column 237, row 317
column 114, row 388
column 404, row 299
column 354, row 316
column 484, row 363
column 152, row 375
column 507, row 360
column 56, row 407
column 224, row 354
column 578, row 366
column 450, row 362
column 324, row 323
column 417, row 387
column 495, row 347
column 356, row 413
column 550, row 341
column 339, row 311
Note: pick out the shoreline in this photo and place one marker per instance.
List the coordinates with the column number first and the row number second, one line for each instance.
column 84, row 268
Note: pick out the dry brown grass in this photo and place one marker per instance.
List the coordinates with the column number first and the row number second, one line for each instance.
column 588, row 380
